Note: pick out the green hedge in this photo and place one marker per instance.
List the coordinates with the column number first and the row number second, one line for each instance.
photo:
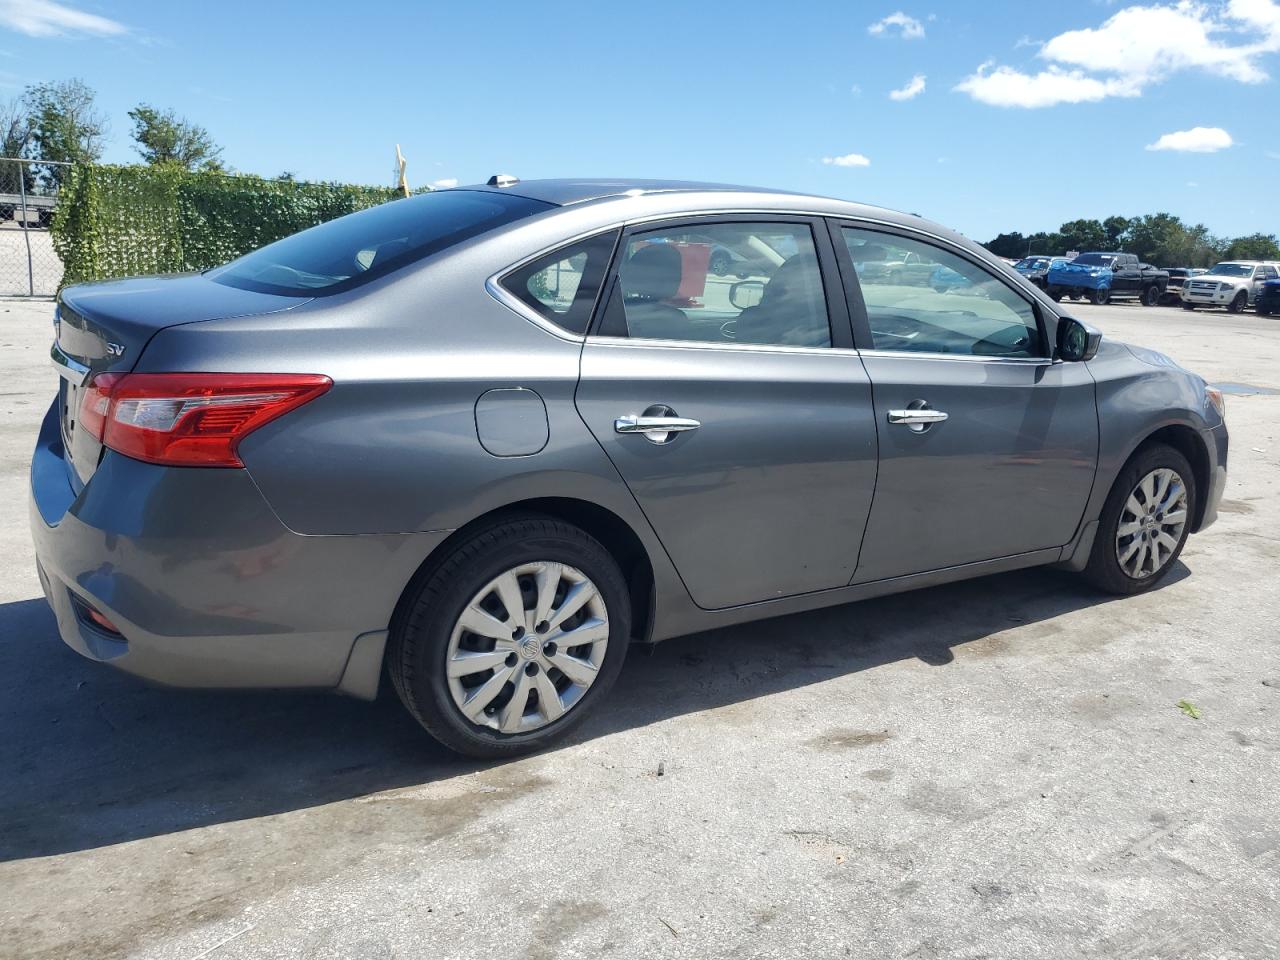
column 119, row 221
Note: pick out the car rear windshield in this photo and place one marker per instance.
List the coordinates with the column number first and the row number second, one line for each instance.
column 359, row 247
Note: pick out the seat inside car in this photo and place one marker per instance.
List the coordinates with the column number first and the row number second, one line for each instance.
column 651, row 275
column 790, row 310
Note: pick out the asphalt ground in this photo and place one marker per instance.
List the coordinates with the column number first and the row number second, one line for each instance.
column 998, row 768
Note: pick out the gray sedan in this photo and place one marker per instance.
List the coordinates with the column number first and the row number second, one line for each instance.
column 484, row 439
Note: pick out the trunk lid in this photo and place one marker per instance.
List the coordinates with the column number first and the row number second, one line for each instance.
column 104, row 327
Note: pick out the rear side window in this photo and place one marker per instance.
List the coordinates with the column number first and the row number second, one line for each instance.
column 359, row 247
column 562, row 286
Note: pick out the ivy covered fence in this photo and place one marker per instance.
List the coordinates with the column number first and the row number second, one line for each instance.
column 119, row 221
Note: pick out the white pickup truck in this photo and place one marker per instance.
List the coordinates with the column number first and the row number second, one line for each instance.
column 1233, row 284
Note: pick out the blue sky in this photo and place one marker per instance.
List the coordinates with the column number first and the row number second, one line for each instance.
column 984, row 116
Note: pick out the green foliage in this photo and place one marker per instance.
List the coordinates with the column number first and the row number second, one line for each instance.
column 164, row 137
column 64, row 124
column 1257, row 246
column 117, row 221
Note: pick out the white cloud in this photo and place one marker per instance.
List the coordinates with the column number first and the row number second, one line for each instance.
column 856, row 90
column 45, row 18
column 848, row 160
column 1195, row 140
column 899, row 24
column 444, row 184
column 1007, row 87
column 914, row 87
column 1137, row 47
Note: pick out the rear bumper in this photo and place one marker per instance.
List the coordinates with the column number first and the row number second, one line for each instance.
column 207, row 587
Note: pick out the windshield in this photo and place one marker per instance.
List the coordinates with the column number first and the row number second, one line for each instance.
column 1232, row 269
column 1032, row 263
column 1094, row 260
column 354, row 249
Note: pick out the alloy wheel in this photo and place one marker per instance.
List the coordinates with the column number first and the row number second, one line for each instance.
column 1151, row 523
column 527, row 647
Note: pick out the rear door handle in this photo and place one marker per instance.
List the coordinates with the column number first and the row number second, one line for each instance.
column 655, row 429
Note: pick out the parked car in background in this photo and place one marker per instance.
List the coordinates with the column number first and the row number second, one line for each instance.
column 1106, row 276
column 1177, row 276
column 1036, row 268
column 391, row 445
column 1233, row 284
column 1268, row 300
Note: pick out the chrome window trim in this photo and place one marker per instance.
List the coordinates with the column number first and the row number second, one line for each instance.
column 641, row 342
column 962, row 357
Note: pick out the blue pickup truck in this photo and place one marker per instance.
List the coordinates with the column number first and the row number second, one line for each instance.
column 1107, row 276
column 1268, row 299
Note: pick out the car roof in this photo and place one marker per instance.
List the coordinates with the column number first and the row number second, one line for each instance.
column 570, row 191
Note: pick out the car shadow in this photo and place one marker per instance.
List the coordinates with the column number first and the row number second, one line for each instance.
column 93, row 757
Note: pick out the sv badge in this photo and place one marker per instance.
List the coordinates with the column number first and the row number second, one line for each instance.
column 115, row 349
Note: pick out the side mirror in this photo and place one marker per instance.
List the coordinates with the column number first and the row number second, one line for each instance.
column 746, row 293
column 1077, row 340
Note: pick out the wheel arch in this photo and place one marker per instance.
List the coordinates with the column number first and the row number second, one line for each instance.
column 1187, row 441
column 614, row 533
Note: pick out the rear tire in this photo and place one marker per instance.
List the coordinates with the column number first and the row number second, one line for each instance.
column 1150, row 296
column 1099, row 297
column 1238, row 302
column 1156, row 540
column 510, row 698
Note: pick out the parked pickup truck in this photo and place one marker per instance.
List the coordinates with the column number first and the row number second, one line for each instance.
column 1233, row 284
column 1177, row 277
column 1105, row 276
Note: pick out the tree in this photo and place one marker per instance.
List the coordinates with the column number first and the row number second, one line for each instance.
column 1117, row 230
column 64, row 124
column 164, row 137
column 1008, row 245
column 1256, row 246
column 1083, row 235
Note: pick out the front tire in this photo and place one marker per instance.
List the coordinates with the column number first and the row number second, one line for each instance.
column 513, row 639
column 1099, row 296
column 1145, row 522
column 1238, row 302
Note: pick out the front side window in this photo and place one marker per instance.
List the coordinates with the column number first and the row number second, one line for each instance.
column 354, row 249
column 743, row 283
column 941, row 304
column 562, row 286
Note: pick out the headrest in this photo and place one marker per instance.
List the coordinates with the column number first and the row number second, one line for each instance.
column 652, row 273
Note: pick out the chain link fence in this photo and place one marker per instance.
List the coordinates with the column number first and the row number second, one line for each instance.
column 29, row 267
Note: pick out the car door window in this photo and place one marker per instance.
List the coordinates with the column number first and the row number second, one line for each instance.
column 561, row 287
column 923, row 298
column 727, row 283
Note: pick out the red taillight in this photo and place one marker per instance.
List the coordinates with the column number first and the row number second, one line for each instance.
column 95, row 399
column 191, row 419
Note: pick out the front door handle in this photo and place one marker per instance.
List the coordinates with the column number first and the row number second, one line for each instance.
column 918, row 417
column 655, row 429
